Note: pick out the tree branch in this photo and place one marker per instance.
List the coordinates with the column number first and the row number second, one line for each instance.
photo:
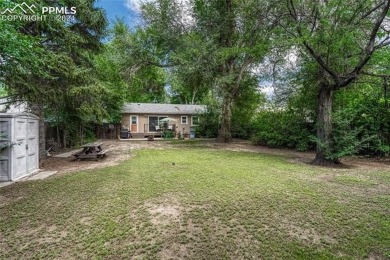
column 243, row 68
column 321, row 62
column 383, row 43
column 369, row 12
column 375, row 75
column 316, row 14
column 369, row 49
column 312, row 52
column 156, row 64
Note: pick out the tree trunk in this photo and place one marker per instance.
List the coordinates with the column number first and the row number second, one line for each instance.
column 64, row 138
column 193, row 97
column 324, row 128
column 224, row 134
column 81, row 133
column 58, row 138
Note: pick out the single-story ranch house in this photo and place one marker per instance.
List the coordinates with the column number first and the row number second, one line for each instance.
column 143, row 119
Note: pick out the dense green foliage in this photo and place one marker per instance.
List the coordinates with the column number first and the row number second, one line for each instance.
column 282, row 129
column 245, row 108
column 360, row 121
column 340, row 38
column 209, row 46
column 209, row 123
column 133, row 57
column 48, row 64
column 214, row 53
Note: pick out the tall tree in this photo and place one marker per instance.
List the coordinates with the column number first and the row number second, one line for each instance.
column 340, row 37
column 56, row 68
column 219, row 41
column 134, row 54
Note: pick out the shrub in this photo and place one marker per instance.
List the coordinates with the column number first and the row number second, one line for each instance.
column 357, row 130
column 282, row 128
column 208, row 123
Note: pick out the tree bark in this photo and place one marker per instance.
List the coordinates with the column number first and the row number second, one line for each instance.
column 224, row 134
column 58, row 138
column 64, row 138
column 324, row 127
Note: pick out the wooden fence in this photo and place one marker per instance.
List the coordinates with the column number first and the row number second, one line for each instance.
column 57, row 137
column 107, row 131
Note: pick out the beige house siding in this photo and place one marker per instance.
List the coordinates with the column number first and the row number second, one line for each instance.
column 143, row 121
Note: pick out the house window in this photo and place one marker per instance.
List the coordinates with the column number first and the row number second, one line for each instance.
column 194, row 120
column 184, row 120
column 133, row 120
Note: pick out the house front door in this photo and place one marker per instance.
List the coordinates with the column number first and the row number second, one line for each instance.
column 134, row 124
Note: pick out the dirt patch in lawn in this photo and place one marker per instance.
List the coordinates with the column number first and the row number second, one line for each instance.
column 4, row 200
column 246, row 146
column 173, row 251
column 164, row 210
column 307, row 235
column 122, row 150
column 294, row 156
column 171, row 219
column 86, row 221
column 118, row 151
column 166, row 214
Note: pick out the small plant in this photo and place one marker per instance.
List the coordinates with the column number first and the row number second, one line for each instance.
column 3, row 147
column 7, row 144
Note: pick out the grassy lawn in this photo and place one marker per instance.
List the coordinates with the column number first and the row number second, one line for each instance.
column 202, row 204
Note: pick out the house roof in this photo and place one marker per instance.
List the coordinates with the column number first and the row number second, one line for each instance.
column 151, row 108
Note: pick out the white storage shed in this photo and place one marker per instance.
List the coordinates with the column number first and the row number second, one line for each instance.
column 19, row 145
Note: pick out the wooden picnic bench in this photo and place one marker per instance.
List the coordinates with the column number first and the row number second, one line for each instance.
column 91, row 151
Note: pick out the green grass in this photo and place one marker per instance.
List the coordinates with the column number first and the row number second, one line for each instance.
column 210, row 204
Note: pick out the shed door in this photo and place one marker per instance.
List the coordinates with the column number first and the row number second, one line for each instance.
column 20, row 154
column 4, row 153
column 32, row 145
column 26, row 150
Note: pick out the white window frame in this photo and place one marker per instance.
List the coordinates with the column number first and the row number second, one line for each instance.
column 181, row 121
column 192, row 120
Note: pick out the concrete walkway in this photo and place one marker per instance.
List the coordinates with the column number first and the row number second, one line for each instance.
column 40, row 175
column 37, row 176
column 6, row 183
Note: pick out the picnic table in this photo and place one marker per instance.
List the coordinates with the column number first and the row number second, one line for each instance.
column 91, row 151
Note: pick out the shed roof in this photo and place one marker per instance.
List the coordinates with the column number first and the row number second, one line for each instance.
column 23, row 115
column 151, row 108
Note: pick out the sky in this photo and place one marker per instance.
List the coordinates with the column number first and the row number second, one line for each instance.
column 127, row 9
